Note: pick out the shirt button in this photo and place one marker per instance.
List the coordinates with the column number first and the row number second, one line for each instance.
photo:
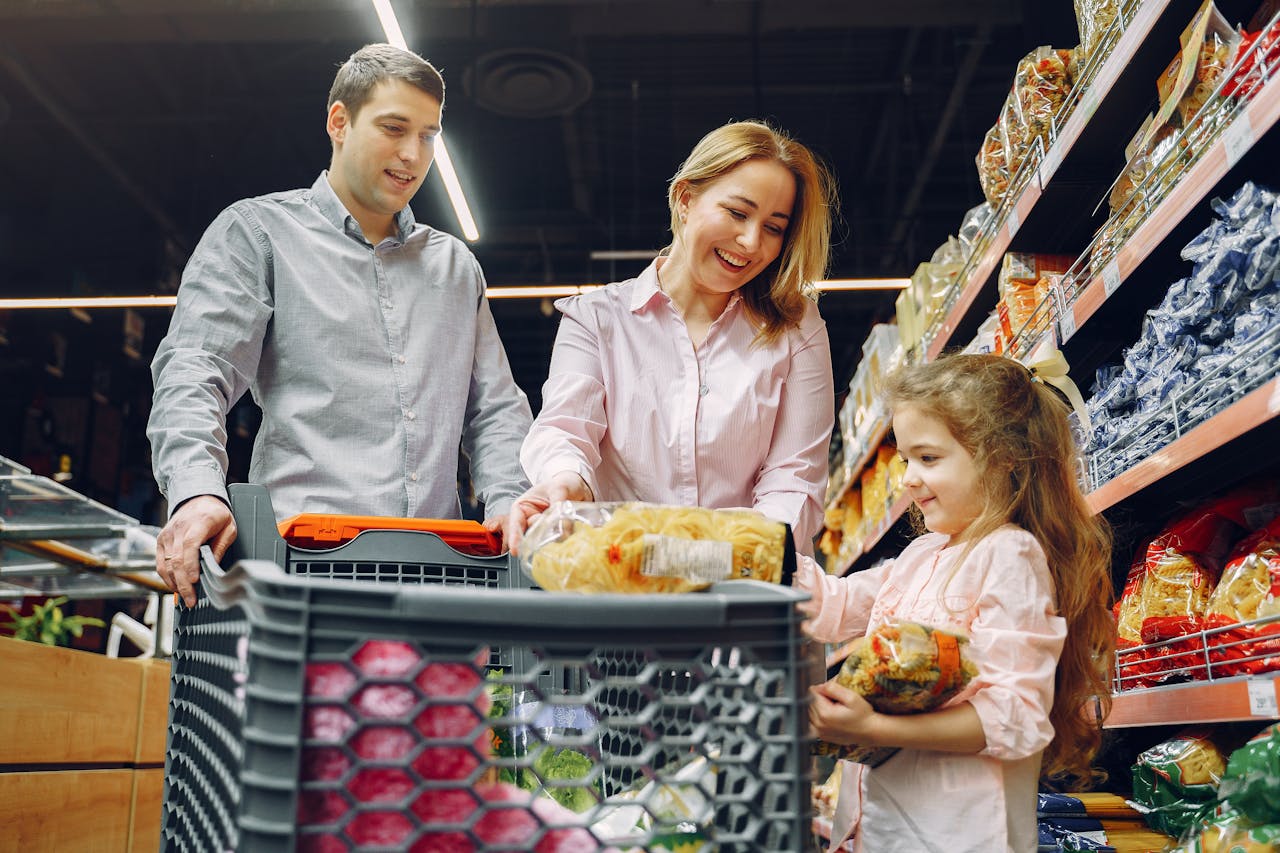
column 414, row 476
column 410, row 416
column 703, row 391
column 401, row 359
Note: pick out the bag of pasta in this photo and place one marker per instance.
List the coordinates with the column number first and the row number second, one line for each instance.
column 637, row 547
column 1175, row 780
column 1251, row 782
column 901, row 668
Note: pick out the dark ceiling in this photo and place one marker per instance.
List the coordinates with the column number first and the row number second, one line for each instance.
column 126, row 125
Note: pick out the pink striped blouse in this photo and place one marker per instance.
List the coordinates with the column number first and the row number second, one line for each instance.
column 638, row 412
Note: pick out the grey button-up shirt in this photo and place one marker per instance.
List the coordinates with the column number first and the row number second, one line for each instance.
column 371, row 364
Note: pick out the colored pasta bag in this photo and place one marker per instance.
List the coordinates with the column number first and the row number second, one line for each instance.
column 901, row 668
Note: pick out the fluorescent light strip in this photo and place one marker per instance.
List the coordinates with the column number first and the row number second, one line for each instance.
column 839, row 284
column 532, row 291
column 540, row 291
column 444, row 164
column 74, row 302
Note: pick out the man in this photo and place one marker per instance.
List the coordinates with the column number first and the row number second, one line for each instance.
column 365, row 338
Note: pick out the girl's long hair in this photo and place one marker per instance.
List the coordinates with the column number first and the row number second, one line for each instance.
column 775, row 298
column 1017, row 431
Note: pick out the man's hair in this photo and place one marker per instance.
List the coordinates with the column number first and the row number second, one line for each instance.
column 375, row 63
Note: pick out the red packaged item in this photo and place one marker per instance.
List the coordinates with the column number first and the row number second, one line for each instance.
column 1251, row 62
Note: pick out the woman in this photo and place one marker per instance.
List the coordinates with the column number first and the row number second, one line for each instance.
column 706, row 380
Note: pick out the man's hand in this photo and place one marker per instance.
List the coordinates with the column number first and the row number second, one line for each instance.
column 564, row 486
column 202, row 519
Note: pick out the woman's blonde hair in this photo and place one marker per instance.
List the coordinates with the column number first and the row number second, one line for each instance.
column 1017, row 432
column 775, row 298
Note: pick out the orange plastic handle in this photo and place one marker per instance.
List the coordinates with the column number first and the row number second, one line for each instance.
column 318, row 530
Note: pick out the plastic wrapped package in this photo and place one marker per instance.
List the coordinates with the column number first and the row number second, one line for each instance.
column 974, row 226
column 993, row 165
column 1258, row 50
column 1093, row 19
column 1041, row 86
column 646, row 548
column 901, row 668
column 1251, row 781
column 1175, row 780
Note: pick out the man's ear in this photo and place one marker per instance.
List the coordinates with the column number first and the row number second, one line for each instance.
column 338, row 122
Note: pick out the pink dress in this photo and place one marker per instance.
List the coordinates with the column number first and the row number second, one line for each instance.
column 1002, row 598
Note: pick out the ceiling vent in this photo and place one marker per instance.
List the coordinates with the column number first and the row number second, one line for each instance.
column 528, row 83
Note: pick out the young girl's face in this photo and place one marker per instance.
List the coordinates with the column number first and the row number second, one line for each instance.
column 941, row 477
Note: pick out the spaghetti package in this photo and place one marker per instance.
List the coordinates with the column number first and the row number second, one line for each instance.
column 1175, row 780
column 901, row 668
column 638, row 548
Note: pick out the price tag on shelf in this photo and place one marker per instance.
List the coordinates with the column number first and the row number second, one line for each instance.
column 1052, row 160
column 1089, row 102
column 1013, row 223
column 1262, row 698
column 1238, row 139
column 1067, row 325
column 1111, row 277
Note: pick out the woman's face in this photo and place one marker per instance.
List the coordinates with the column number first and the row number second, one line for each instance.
column 735, row 226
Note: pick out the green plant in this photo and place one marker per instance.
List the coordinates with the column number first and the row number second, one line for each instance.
column 48, row 624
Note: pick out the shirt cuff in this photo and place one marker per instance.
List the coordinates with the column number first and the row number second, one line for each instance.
column 193, row 482
column 572, row 464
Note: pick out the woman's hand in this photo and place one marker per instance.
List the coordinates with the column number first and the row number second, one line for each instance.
column 564, row 486
column 841, row 716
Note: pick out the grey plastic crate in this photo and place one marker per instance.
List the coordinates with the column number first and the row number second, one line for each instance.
column 255, row 763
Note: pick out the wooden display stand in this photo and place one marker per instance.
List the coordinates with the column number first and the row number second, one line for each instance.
column 82, row 739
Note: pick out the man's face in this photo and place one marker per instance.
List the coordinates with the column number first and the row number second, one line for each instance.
column 381, row 156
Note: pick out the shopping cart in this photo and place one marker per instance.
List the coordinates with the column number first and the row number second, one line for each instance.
column 315, row 713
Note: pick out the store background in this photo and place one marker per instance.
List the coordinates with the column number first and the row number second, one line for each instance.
column 126, row 125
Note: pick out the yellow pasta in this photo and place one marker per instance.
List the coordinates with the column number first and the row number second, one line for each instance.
column 636, row 547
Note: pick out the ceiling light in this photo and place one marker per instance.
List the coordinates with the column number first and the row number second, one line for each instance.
column 540, row 291
column 444, row 165
column 624, row 255
column 74, row 302
column 837, row 284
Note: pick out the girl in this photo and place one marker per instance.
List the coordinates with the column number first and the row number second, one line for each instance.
column 1015, row 560
column 705, row 381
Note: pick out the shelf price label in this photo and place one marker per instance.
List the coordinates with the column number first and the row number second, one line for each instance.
column 1262, row 698
column 1052, row 160
column 1013, row 223
column 1111, row 277
column 1238, row 139
column 1067, row 325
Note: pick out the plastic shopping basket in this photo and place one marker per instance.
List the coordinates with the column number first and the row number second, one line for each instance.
column 314, row 714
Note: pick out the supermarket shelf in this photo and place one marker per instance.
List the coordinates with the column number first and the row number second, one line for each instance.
column 1254, row 409
column 895, row 512
column 855, row 471
column 1257, row 118
column 1245, row 698
column 1118, row 92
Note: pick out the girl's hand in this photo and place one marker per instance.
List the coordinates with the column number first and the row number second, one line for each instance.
column 841, row 716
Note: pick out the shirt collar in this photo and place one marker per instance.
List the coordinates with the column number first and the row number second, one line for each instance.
column 647, row 287
column 332, row 208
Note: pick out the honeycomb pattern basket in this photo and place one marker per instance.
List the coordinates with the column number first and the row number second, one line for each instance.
column 315, row 714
